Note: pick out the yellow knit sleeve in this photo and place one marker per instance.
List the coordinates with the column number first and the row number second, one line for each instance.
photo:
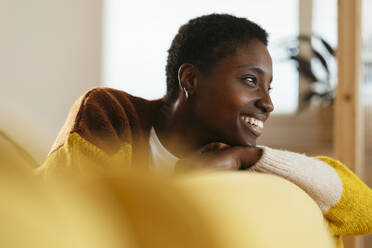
column 80, row 157
column 352, row 214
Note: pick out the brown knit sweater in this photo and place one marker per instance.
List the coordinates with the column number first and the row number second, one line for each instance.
column 104, row 123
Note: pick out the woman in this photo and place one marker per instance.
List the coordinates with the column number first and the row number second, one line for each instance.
column 219, row 73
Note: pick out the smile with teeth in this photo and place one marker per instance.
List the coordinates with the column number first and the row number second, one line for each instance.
column 252, row 121
column 254, row 125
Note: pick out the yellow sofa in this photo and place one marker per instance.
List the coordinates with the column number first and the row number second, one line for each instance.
column 140, row 209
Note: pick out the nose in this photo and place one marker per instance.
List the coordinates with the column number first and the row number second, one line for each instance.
column 265, row 103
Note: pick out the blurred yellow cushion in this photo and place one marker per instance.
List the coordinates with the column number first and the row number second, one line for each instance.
column 258, row 210
column 139, row 209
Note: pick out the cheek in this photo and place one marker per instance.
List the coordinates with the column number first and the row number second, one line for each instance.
column 224, row 104
column 235, row 98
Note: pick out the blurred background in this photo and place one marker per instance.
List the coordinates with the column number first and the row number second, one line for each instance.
column 52, row 51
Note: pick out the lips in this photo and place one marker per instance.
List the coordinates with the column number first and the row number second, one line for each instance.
column 253, row 124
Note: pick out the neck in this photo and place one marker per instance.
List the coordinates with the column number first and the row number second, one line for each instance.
column 177, row 130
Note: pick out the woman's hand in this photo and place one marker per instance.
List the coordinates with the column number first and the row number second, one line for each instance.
column 221, row 156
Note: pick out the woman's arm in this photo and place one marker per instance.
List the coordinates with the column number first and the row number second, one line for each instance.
column 344, row 199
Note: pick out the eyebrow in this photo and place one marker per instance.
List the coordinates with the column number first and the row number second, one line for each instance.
column 251, row 67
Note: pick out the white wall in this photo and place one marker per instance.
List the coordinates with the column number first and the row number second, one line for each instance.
column 367, row 25
column 49, row 54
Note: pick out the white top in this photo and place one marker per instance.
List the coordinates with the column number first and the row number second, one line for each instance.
column 161, row 158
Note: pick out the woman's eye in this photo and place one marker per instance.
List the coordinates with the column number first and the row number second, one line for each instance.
column 270, row 89
column 250, row 80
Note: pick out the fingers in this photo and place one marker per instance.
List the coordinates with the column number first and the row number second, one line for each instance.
column 222, row 156
column 215, row 146
column 249, row 156
column 214, row 160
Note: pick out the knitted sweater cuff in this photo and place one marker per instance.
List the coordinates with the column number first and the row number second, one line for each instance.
column 319, row 180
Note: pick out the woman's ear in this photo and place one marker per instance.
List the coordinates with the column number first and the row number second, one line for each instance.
column 187, row 79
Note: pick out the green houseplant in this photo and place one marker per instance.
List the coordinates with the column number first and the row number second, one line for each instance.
column 317, row 68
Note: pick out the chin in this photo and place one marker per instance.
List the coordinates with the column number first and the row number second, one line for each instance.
column 247, row 140
column 238, row 138
column 250, row 143
column 243, row 141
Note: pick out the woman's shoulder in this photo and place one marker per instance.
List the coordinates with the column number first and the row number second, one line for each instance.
column 107, row 97
column 104, row 116
column 104, row 95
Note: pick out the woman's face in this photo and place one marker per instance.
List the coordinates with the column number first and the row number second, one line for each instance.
column 232, row 100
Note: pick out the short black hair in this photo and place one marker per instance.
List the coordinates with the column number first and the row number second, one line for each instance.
column 206, row 39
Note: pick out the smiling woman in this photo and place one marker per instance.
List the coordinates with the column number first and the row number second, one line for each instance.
column 227, row 103
column 219, row 73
